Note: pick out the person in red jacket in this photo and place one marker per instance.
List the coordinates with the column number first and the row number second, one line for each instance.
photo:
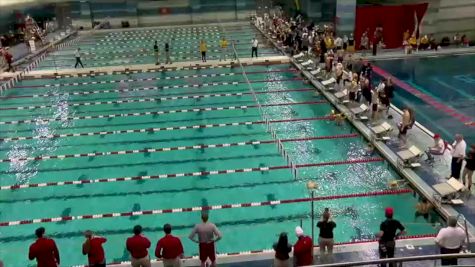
column 169, row 248
column 92, row 247
column 138, row 246
column 303, row 249
column 44, row 250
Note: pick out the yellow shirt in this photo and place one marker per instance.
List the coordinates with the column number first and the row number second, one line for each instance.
column 424, row 40
column 203, row 47
column 412, row 41
column 223, row 43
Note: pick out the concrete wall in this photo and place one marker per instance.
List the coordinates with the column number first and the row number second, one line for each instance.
column 446, row 17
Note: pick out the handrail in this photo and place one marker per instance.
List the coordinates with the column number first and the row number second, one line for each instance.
column 460, row 216
column 401, row 259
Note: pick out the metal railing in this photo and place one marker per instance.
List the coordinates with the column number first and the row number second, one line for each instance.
column 400, row 260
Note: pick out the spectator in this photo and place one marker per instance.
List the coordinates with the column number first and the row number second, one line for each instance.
column 157, row 53
column 303, row 249
column 469, row 168
column 92, row 247
column 389, row 92
column 405, row 37
column 223, row 44
column 138, row 246
column 77, row 54
column 169, row 248
column 338, row 43
column 450, row 240
column 203, row 49
column 439, row 147
column 255, row 45
column 325, row 238
column 406, row 123
column 456, row 39
column 208, row 235
column 364, row 43
column 387, row 236
column 167, row 54
column 44, row 250
column 9, row 59
column 351, row 43
column 458, row 154
column 282, row 249
column 374, row 104
column 464, row 41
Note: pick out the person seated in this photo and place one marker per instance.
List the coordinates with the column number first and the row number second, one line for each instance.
column 439, row 147
column 424, row 42
column 413, row 41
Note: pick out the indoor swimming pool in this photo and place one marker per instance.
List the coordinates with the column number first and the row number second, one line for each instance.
column 108, row 152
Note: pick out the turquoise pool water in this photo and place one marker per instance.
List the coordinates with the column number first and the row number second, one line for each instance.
column 450, row 80
column 243, row 228
column 136, row 46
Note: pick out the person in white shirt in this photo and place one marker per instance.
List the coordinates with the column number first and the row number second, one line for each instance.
column 77, row 54
column 439, row 146
column 338, row 43
column 450, row 240
column 458, row 155
column 254, row 44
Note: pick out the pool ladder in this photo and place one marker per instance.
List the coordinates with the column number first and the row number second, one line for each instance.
column 461, row 217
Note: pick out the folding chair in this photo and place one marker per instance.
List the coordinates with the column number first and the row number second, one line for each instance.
column 381, row 131
column 449, row 190
column 410, row 157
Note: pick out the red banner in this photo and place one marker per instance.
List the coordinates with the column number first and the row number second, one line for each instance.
column 393, row 19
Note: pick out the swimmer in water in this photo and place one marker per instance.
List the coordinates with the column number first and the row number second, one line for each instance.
column 370, row 149
column 339, row 118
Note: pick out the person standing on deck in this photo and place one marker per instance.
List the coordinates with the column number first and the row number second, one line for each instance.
column 169, row 248
column 450, row 240
column 223, row 44
column 44, row 250
column 469, row 168
column 157, row 53
column 92, row 247
column 458, row 154
column 387, row 236
column 303, row 249
column 138, row 246
column 168, row 59
column 255, row 45
column 203, row 50
column 208, row 235
column 77, row 54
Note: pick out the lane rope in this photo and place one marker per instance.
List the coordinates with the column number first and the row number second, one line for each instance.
column 154, row 130
column 151, row 79
column 152, row 99
column 189, row 174
column 178, row 148
column 205, row 208
column 154, row 113
column 193, row 85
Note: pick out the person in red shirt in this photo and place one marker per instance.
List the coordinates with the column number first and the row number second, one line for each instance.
column 169, row 248
column 92, row 247
column 138, row 246
column 9, row 59
column 303, row 248
column 44, row 250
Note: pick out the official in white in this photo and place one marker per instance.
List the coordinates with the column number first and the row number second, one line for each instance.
column 450, row 240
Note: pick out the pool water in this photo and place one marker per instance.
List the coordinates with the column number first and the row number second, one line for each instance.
column 116, row 48
column 449, row 80
column 244, row 229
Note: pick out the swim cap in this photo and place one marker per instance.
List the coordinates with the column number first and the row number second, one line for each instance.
column 389, row 211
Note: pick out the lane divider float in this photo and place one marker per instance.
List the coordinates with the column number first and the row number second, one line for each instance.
column 206, row 208
column 178, row 148
column 154, row 130
column 189, row 174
